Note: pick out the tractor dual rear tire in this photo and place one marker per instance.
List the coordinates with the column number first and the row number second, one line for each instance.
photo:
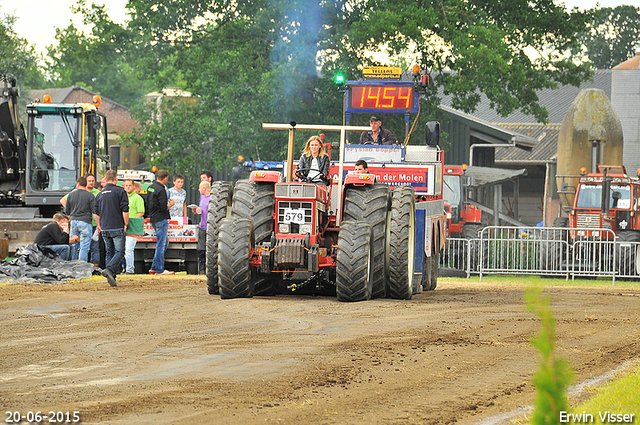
column 354, row 262
column 219, row 201
column 402, row 243
column 370, row 204
column 257, row 201
column 236, row 239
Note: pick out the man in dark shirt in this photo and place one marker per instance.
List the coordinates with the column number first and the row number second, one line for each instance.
column 79, row 207
column 377, row 135
column 111, row 213
column 55, row 235
column 159, row 217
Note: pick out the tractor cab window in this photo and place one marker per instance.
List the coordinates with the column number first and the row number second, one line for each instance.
column 53, row 156
column 590, row 196
column 453, row 192
column 95, row 149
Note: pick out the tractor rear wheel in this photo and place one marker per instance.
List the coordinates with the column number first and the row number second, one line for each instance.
column 257, row 201
column 402, row 242
column 354, row 261
column 219, row 201
column 430, row 280
column 236, row 239
column 371, row 204
column 627, row 253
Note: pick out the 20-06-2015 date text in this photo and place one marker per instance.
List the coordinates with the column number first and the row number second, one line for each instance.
column 16, row 417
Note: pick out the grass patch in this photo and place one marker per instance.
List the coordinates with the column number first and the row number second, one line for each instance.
column 531, row 280
column 618, row 397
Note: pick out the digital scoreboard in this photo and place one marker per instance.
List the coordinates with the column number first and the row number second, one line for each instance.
column 381, row 97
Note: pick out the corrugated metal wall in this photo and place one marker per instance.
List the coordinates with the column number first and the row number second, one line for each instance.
column 457, row 152
column 625, row 98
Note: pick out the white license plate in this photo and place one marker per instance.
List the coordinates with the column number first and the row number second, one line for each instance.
column 293, row 215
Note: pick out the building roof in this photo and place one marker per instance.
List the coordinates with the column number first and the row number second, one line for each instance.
column 556, row 101
column 544, row 151
column 60, row 95
column 631, row 63
column 483, row 176
column 491, row 132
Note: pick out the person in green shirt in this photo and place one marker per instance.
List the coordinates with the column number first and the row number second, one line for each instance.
column 136, row 225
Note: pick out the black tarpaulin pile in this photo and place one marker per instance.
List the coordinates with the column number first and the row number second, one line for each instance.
column 39, row 264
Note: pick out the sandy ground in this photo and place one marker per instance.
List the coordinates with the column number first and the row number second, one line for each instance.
column 160, row 350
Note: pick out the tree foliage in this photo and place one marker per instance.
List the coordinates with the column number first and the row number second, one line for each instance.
column 612, row 36
column 102, row 61
column 255, row 61
column 18, row 58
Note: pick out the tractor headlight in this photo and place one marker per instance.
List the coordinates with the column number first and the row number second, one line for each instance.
column 284, row 228
column 305, row 228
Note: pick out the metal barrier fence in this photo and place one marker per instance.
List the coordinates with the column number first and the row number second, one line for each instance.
column 544, row 251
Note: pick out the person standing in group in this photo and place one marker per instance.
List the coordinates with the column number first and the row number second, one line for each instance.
column 205, row 194
column 111, row 213
column 55, row 235
column 179, row 210
column 159, row 217
column 96, row 245
column 136, row 225
column 79, row 207
column 206, row 175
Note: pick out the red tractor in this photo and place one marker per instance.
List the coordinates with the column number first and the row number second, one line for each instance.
column 463, row 218
column 355, row 238
column 604, row 203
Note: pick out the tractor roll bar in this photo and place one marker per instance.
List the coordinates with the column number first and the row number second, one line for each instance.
column 293, row 126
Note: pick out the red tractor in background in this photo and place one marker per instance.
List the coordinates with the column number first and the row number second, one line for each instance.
column 604, row 204
column 356, row 238
column 463, row 218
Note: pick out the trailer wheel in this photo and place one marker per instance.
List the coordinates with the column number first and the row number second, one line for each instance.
column 257, row 201
column 627, row 253
column 430, row 280
column 553, row 247
column 354, row 261
column 219, row 201
column 402, row 243
column 471, row 234
column 371, row 204
column 236, row 239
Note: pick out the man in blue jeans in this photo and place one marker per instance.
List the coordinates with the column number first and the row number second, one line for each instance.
column 111, row 213
column 159, row 217
column 79, row 208
column 55, row 235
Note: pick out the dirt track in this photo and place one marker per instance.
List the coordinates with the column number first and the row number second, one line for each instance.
column 159, row 351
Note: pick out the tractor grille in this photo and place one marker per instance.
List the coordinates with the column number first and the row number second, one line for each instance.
column 589, row 221
column 307, row 208
column 293, row 190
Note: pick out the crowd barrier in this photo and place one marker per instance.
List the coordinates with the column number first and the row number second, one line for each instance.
column 544, row 251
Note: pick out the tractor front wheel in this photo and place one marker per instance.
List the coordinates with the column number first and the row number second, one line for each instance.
column 402, row 243
column 219, row 202
column 236, row 239
column 371, row 204
column 354, row 262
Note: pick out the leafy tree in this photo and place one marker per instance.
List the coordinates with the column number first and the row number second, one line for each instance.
column 254, row 61
column 18, row 59
column 100, row 61
column 472, row 46
column 612, row 35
